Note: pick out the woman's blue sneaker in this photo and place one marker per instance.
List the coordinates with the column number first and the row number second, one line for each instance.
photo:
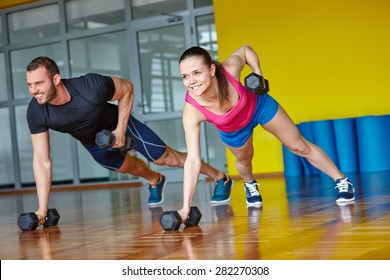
column 222, row 190
column 253, row 196
column 346, row 191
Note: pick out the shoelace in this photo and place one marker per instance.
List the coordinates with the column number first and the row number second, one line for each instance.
column 253, row 189
column 343, row 185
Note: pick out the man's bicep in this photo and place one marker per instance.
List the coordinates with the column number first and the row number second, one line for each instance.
column 122, row 87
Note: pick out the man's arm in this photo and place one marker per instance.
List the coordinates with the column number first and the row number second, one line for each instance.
column 42, row 167
column 124, row 93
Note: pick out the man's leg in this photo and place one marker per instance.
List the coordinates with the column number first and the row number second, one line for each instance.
column 139, row 168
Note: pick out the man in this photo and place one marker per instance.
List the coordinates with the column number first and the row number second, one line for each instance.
column 80, row 107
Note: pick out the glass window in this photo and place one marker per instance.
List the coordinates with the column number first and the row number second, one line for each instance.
column 6, row 156
column 207, row 39
column 3, row 83
column 162, row 87
column 171, row 132
column 105, row 54
column 91, row 14
column 207, row 35
column 21, row 58
column 59, row 151
column 1, row 34
column 34, row 24
column 148, row 8
column 216, row 150
column 202, row 3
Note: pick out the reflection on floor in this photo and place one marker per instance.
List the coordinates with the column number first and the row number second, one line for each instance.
column 298, row 221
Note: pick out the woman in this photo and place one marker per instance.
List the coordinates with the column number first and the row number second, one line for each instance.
column 214, row 94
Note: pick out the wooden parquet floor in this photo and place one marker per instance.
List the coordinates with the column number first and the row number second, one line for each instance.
column 298, row 221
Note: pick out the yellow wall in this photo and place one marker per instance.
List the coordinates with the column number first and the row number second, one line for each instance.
column 324, row 59
column 9, row 3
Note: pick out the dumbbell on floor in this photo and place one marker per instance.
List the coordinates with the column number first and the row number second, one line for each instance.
column 106, row 139
column 257, row 84
column 171, row 220
column 29, row 221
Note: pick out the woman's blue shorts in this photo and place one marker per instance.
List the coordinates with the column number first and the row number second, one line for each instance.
column 266, row 109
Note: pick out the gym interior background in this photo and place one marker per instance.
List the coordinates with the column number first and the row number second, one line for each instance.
column 324, row 60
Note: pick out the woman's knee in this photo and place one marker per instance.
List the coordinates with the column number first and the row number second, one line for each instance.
column 300, row 147
column 244, row 161
column 243, row 155
column 245, row 158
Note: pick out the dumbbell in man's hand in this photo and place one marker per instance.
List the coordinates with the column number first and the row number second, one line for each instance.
column 256, row 83
column 29, row 221
column 106, row 139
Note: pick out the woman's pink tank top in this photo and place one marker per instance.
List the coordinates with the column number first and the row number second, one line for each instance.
column 235, row 118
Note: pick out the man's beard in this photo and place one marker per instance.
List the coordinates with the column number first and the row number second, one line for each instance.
column 49, row 95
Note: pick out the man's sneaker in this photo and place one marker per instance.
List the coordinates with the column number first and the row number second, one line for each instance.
column 157, row 192
column 222, row 190
column 253, row 196
column 346, row 190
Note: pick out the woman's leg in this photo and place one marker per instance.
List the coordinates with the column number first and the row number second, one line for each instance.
column 282, row 127
column 244, row 156
column 286, row 131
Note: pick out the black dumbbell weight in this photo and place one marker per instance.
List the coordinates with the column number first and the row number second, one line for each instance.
column 171, row 220
column 256, row 84
column 194, row 217
column 29, row 221
column 106, row 139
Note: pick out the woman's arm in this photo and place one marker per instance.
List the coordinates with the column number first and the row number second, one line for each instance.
column 245, row 55
column 192, row 119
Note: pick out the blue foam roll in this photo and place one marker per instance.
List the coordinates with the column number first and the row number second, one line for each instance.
column 306, row 130
column 346, row 145
column 292, row 163
column 324, row 138
column 373, row 136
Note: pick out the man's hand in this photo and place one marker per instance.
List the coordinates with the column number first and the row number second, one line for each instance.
column 120, row 138
column 41, row 214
